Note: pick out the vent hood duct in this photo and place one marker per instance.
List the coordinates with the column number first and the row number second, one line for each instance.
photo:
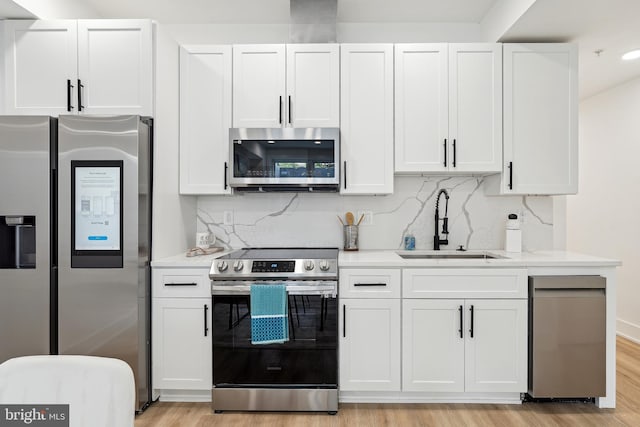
column 313, row 21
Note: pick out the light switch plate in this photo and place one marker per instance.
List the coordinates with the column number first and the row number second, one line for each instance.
column 227, row 218
column 368, row 217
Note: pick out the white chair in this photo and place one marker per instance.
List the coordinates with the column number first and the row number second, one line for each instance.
column 100, row 391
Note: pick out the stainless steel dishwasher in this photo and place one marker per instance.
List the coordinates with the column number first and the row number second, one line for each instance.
column 567, row 351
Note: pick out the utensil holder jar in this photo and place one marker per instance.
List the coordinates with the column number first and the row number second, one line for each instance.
column 350, row 235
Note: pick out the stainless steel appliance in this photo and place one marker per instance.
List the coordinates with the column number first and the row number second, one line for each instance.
column 78, row 193
column 285, row 159
column 567, row 352
column 298, row 375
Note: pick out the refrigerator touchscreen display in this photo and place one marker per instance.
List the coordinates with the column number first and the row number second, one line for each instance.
column 97, row 209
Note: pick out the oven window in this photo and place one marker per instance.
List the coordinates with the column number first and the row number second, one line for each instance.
column 284, row 159
column 309, row 358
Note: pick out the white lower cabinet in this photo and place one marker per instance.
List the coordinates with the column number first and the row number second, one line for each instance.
column 456, row 345
column 370, row 345
column 182, row 343
column 181, row 334
column 369, row 326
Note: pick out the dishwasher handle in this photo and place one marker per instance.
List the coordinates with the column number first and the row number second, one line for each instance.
column 568, row 293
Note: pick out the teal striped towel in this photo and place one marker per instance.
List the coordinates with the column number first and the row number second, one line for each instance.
column 269, row 316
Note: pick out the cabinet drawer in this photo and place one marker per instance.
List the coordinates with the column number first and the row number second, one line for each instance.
column 185, row 282
column 369, row 283
column 464, row 283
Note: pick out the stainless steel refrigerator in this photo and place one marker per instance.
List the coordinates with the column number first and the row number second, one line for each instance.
column 75, row 239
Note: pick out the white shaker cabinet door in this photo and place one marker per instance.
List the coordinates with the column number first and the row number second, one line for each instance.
column 433, row 345
column 40, row 67
column 475, row 107
column 259, row 86
column 313, row 85
column 115, row 66
column 205, row 118
column 182, row 349
column 496, row 346
column 366, row 123
column 540, row 119
column 370, row 345
column 421, row 107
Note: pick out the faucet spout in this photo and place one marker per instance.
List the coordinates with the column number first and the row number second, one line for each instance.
column 437, row 241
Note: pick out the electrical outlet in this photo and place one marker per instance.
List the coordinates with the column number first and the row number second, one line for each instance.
column 227, row 218
column 367, row 219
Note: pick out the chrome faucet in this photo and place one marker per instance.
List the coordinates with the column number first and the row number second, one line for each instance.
column 437, row 241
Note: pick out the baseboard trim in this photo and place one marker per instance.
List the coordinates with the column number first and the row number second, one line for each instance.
column 429, row 397
column 185, row 395
column 628, row 330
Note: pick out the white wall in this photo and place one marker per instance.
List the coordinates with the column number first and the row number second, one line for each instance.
column 604, row 218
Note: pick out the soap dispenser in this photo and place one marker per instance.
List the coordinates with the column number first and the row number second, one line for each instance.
column 513, row 234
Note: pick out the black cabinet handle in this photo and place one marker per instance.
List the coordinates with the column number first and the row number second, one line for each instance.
column 454, row 153
column 460, row 330
column 280, row 109
column 369, row 284
column 471, row 330
column 226, row 168
column 181, row 284
column 206, row 324
column 289, row 109
column 510, row 175
column 69, row 86
column 344, row 320
column 80, row 86
column 445, row 152
column 345, row 174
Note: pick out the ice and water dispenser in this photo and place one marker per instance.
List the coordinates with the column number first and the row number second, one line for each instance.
column 17, row 241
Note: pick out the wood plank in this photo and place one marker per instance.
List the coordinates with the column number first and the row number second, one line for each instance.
column 627, row 413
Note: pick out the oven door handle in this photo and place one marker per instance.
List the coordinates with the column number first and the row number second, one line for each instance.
column 244, row 288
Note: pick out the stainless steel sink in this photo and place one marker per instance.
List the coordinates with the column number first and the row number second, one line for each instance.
column 446, row 255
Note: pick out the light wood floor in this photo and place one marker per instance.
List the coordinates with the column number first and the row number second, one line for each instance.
column 627, row 413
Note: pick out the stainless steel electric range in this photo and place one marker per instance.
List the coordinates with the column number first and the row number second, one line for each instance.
column 298, row 375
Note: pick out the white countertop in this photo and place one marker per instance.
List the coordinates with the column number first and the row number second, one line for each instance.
column 183, row 261
column 389, row 258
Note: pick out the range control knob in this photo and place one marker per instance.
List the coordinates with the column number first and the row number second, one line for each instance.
column 222, row 266
column 308, row 265
column 324, row 265
column 238, row 265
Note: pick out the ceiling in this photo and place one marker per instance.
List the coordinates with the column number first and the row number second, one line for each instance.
column 607, row 25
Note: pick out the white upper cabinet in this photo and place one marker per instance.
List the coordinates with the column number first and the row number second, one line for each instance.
column 86, row 66
column 41, row 63
column 448, row 108
column 366, row 118
column 258, row 85
column 115, row 66
column 286, row 86
column 205, row 118
column 313, row 85
column 540, row 119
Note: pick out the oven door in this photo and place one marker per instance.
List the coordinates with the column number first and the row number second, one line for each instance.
column 308, row 360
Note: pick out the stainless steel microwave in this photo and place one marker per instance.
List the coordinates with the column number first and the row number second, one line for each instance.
column 284, row 159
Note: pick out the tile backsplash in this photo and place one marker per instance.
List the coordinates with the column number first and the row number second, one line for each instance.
column 476, row 221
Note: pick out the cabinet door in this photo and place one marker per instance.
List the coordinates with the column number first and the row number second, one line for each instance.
column 115, row 66
column 433, row 345
column 540, row 119
column 421, row 107
column 258, row 86
column 370, row 345
column 40, row 67
column 205, row 118
column 182, row 344
column 367, row 118
column 475, row 107
column 496, row 351
column 313, row 85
